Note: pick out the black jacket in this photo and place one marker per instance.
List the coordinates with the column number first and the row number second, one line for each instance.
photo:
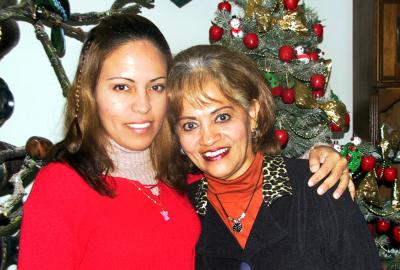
column 294, row 229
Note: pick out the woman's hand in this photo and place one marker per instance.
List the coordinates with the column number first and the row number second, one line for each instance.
column 326, row 161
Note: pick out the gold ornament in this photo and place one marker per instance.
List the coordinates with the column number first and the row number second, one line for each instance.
column 263, row 18
column 293, row 21
column 389, row 141
column 304, row 98
column 396, row 196
column 262, row 15
column 328, row 68
column 368, row 191
column 336, row 111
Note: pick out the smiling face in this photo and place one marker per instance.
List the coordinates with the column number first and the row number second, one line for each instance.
column 216, row 134
column 130, row 94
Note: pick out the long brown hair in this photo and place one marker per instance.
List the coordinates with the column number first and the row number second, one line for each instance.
column 239, row 80
column 85, row 144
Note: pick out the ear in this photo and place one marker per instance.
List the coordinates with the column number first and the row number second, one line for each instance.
column 253, row 113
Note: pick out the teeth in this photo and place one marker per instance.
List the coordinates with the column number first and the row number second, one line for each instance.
column 139, row 126
column 215, row 153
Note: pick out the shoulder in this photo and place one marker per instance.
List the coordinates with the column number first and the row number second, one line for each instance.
column 299, row 173
column 297, row 170
column 56, row 182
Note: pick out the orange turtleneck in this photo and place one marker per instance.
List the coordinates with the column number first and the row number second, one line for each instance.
column 235, row 195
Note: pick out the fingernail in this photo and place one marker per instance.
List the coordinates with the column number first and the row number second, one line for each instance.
column 310, row 183
column 320, row 191
column 314, row 168
column 336, row 195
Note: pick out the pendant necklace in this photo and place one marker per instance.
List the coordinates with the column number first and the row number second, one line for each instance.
column 163, row 212
column 237, row 223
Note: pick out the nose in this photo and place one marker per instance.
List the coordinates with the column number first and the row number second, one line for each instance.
column 209, row 135
column 141, row 102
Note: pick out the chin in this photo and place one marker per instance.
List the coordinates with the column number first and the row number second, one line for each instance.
column 137, row 147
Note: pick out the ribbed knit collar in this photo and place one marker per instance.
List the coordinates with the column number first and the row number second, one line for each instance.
column 133, row 165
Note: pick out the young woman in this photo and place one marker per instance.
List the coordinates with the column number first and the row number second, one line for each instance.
column 255, row 207
column 102, row 202
column 99, row 205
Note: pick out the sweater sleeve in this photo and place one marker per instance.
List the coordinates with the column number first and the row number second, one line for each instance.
column 348, row 241
column 50, row 220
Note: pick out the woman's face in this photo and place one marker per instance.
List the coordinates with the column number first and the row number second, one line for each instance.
column 130, row 94
column 216, row 135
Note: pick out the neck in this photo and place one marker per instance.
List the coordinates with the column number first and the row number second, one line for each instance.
column 133, row 165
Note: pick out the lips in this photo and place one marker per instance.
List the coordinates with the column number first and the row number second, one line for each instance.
column 217, row 154
column 141, row 127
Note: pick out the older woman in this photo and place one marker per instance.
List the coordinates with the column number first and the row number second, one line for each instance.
column 255, row 207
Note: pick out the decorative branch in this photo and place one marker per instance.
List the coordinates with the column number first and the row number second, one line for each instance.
column 40, row 17
column 11, row 154
column 53, row 58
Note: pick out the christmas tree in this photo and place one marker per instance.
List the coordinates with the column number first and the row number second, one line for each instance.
column 282, row 37
column 378, row 192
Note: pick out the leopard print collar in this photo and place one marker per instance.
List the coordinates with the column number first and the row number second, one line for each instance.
column 276, row 184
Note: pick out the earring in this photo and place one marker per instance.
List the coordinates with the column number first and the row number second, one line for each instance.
column 255, row 133
column 183, row 152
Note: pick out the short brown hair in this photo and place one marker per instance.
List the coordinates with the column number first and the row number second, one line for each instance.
column 85, row 144
column 239, row 80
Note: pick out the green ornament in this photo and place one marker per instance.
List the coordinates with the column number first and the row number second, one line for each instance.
column 353, row 156
column 271, row 79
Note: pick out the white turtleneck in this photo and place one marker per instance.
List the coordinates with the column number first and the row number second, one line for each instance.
column 132, row 165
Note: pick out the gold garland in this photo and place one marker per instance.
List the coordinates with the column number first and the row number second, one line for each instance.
column 294, row 21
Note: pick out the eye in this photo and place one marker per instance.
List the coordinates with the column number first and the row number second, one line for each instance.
column 189, row 126
column 120, row 87
column 223, row 117
column 158, row 87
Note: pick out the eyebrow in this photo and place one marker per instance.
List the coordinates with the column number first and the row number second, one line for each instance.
column 212, row 112
column 133, row 81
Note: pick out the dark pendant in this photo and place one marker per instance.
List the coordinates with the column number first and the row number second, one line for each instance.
column 237, row 227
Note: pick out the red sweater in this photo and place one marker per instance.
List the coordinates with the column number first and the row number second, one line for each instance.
column 68, row 225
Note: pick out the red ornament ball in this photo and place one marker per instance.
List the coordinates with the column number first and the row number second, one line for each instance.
column 288, row 95
column 368, row 163
column 286, row 53
column 318, row 30
column 276, row 91
column 224, row 6
column 318, row 93
column 313, row 56
column 317, row 81
column 382, row 226
column 334, row 127
column 390, row 174
column 379, row 172
column 396, row 233
column 290, row 4
column 282, row 136
column 347, row 119
column 250, row 40
column 215, row 33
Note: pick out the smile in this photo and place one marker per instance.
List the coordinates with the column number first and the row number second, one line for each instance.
column 139, row 127
column 216, row 155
